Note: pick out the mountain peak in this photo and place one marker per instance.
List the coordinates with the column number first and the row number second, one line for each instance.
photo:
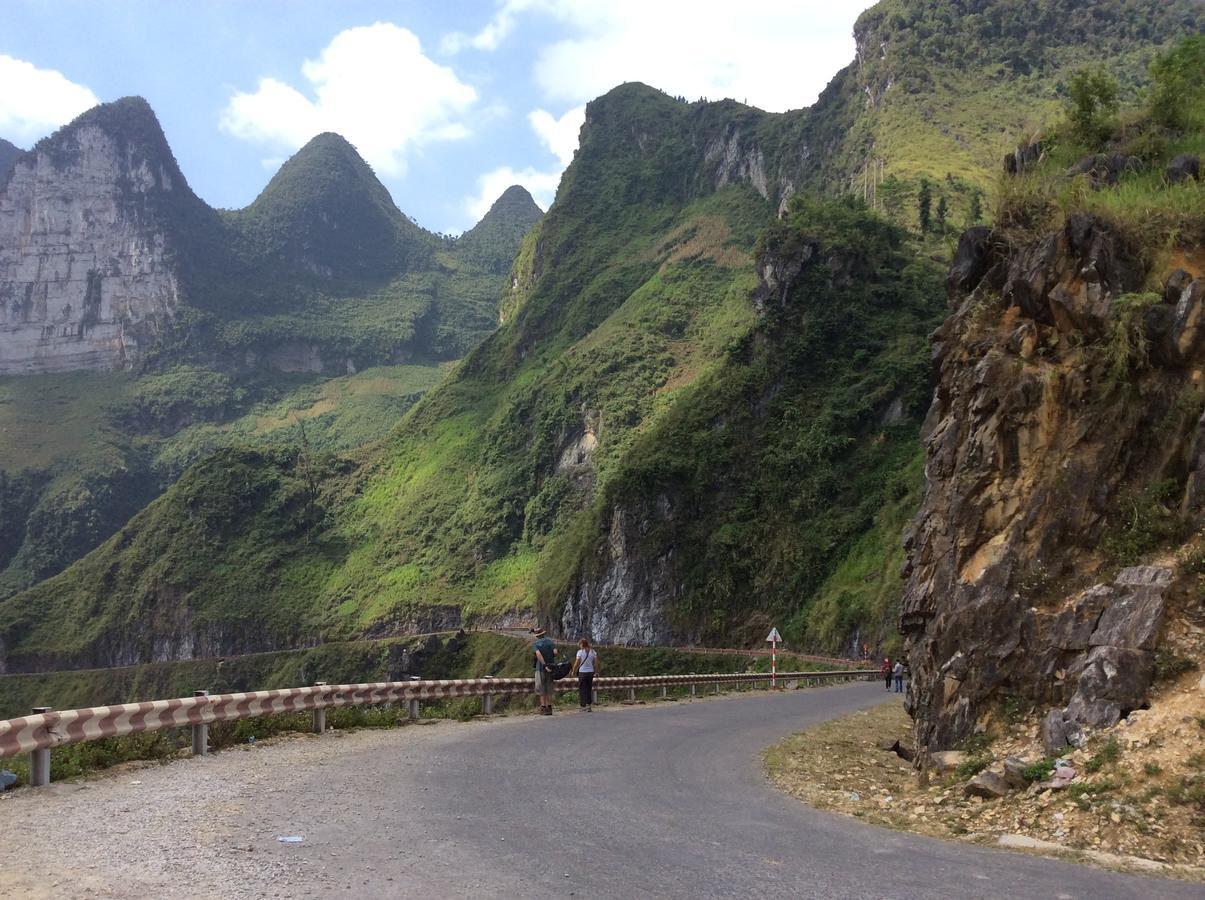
column 130, row 122
column 493, row 242
column 326, row 210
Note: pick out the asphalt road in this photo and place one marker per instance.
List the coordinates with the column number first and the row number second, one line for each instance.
column 665, row 800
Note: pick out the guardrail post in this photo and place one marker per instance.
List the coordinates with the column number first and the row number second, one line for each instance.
column 414, row 703
column 593, row 696
column 200, row 732
column 694, row 688
column 319, row 712
column 632, row 693
column 663, row 692
column 39, row 760
column 717, row 687
column 487, row 701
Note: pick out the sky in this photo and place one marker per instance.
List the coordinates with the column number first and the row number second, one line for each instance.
column 449, row 102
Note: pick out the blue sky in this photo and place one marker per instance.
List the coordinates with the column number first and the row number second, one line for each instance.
column 450, row 102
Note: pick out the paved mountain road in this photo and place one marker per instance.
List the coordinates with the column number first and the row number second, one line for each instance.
column 666, row 800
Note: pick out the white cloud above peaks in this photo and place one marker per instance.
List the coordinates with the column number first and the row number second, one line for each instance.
column 558, row 135
column 33, row 101
column 371, row 84
column 775, row 54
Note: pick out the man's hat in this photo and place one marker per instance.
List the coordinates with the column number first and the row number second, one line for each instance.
column 538, row 631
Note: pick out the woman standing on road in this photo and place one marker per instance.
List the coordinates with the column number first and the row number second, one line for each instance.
column 585, row 667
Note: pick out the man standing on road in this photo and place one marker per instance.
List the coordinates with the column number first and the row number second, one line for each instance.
column 898, row 671
column 885, row 671
column 545, row 652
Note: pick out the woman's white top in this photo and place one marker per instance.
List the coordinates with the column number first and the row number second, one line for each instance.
column 586, row 660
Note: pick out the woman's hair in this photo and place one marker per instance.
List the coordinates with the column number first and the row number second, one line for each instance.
column 584, row 644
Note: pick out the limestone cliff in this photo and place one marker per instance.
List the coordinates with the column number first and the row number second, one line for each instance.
column 1065, row 433
column 87, row 275
column 8, row 158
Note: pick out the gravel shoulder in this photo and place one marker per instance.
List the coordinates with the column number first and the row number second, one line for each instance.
column 1120, row 818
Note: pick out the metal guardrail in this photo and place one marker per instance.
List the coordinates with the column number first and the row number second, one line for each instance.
column 46, row 728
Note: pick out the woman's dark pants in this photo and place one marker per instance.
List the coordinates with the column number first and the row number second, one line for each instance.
column 585, row 688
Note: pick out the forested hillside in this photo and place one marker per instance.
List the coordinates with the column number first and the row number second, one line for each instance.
column 316, row 316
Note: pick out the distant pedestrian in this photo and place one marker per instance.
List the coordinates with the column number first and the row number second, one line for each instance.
column 899, row 677
column 585, row 666
column 544, row 651
column 885, row 671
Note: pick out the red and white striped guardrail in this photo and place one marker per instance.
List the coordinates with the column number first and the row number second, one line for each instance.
column 36, row 734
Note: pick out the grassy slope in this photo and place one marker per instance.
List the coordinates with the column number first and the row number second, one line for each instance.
column 80, row 453
column 955, row 88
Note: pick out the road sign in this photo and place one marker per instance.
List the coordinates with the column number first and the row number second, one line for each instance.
column 773, row 637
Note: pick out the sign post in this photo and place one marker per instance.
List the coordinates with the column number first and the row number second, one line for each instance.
column 773, row 637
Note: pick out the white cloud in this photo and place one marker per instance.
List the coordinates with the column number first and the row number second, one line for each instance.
column 559, row 135
column 33, row 101
column 541, row 186
column 775, row 54
column 496, row 31
column 371, row 84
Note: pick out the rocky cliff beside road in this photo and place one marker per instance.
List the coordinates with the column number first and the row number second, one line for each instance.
column 1065, row 431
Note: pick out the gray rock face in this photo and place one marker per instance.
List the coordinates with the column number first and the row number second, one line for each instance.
column 86, row 275
column 1027, row 463
column 628, row 602
column 1054, row 732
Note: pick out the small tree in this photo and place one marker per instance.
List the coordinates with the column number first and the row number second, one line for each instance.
column 976, row 208
column 1092, row 105
column 943, row 210
column 1178, row 84
column 924, row 203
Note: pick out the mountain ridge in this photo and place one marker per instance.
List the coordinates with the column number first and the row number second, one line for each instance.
column 661, row 441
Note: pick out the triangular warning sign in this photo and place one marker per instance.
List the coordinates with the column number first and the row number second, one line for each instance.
column 774, row 637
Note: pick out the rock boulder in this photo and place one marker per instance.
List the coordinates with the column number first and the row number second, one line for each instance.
column 1183, row 167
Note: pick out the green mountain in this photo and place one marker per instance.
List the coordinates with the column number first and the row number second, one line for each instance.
column 699, row 417
column 319, row 307
column 491, row 243
column 326, row 212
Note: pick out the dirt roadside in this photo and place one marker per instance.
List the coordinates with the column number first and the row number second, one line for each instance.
column 1136, row 808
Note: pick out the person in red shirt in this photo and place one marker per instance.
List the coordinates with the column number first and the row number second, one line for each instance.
column 885, row 671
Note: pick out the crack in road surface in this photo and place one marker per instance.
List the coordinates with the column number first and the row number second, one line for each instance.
column 665, row 800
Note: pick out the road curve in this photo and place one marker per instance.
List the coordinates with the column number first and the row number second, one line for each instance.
column 666, row 800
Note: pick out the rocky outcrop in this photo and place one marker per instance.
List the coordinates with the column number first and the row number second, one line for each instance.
column 628, row 595
column 1184, row 167
column 1053, row 382
column 87, row 276
column 1105, row 169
